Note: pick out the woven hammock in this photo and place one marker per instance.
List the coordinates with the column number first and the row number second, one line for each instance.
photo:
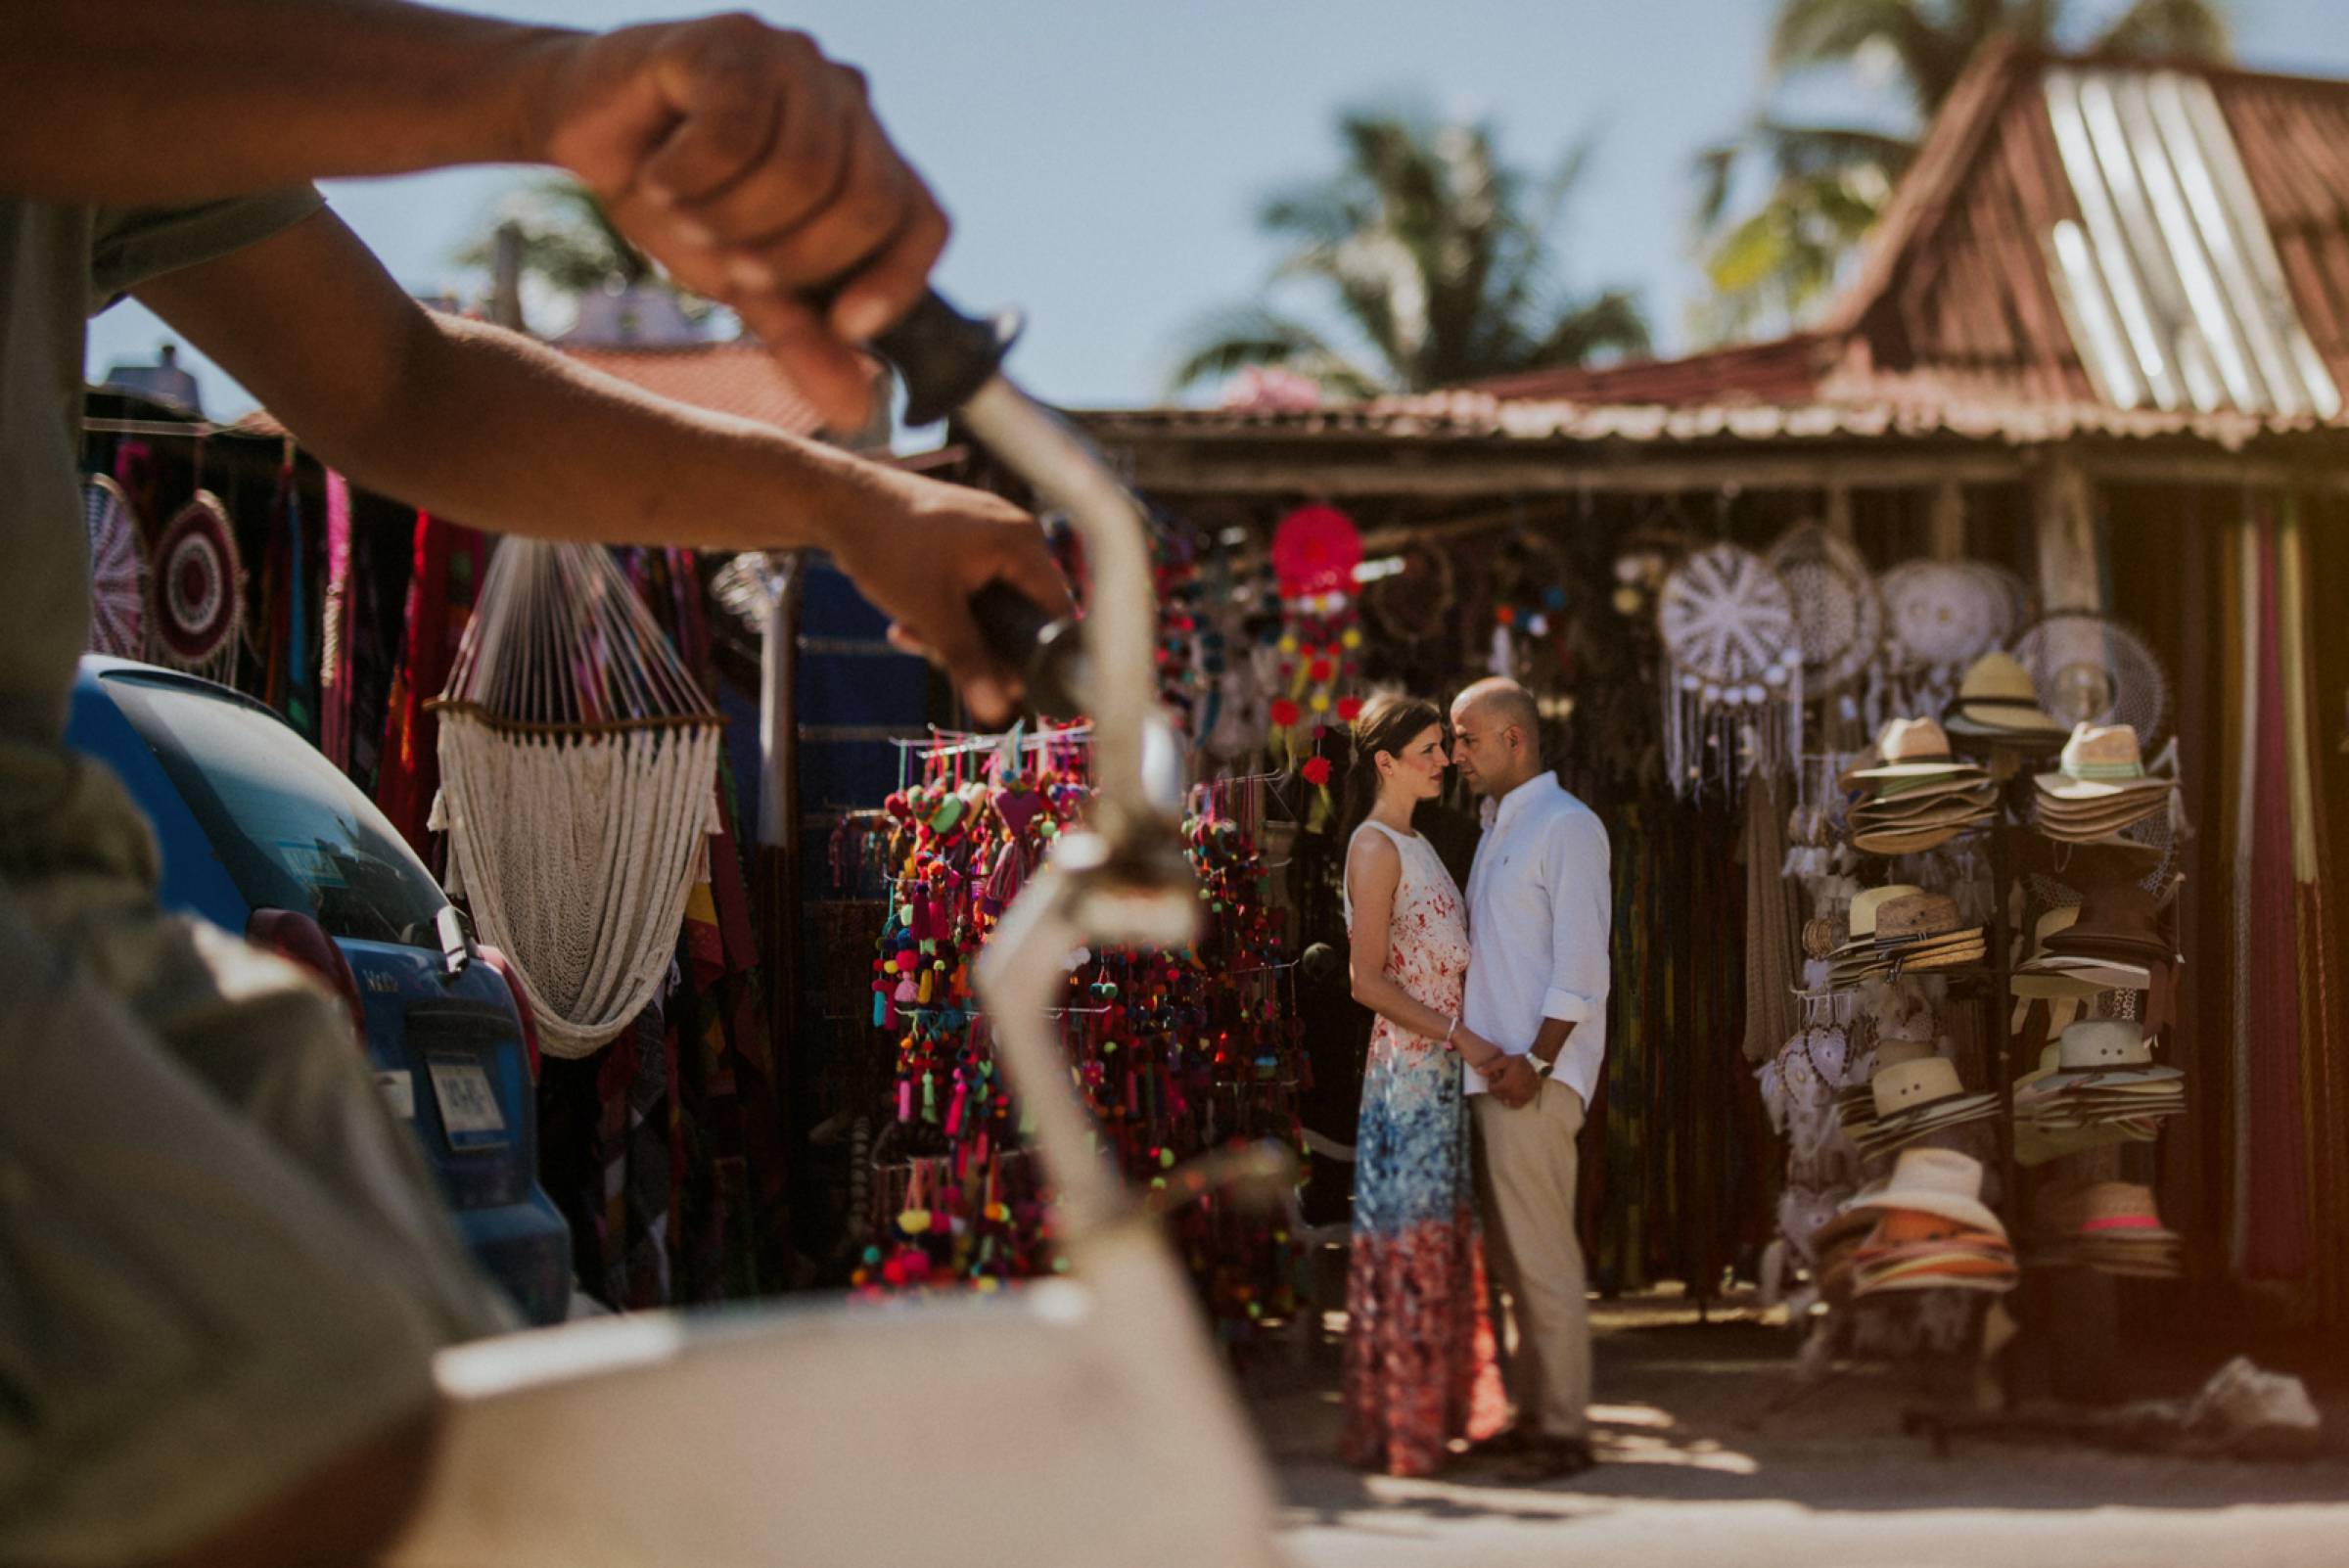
column 579, row 766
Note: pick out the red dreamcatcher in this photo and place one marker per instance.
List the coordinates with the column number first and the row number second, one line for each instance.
column 1314, row 552
column 199, row 589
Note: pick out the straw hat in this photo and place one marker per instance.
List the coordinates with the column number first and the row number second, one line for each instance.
column 2095, row 1043
column 1939, row 1182
column 1906, row 1087
column 1916, row 917
column 2120, row 1207
column 1893, row 1052
column 1864, row 905
column 1997, row 700
column 2099, row 763
column 2109, row 1053
column 1912, row 747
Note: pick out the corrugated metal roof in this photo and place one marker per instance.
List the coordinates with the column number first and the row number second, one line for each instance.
column 2175, row 293
column 2081, row 248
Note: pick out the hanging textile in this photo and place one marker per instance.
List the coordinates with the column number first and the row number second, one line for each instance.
column 335, row 674
column 446, row 568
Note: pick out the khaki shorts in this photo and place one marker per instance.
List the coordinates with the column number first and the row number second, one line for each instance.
column 221, row 1263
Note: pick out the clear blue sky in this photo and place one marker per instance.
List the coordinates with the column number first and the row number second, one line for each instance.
column 1103, row 158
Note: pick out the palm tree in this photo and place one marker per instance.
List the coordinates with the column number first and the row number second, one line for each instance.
column 571, row 247
column 1828, row 184
column 1438, row 259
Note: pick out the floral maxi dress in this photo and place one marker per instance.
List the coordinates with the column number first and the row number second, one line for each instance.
column 1420, row 1349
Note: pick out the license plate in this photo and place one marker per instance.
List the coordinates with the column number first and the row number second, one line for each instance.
column 469, row 1112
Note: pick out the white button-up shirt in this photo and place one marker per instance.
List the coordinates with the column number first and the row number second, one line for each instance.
column 1541, row 909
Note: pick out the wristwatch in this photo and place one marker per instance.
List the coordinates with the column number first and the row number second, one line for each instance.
column 1541, row 1069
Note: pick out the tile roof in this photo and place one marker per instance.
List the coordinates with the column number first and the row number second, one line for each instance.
column 2081, row 248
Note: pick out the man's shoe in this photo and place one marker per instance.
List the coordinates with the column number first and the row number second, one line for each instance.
column 1549, row 1458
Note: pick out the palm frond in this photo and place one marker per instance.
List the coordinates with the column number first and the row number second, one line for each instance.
column 1232, row 340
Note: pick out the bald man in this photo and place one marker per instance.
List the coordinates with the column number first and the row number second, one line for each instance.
column 1539, row 912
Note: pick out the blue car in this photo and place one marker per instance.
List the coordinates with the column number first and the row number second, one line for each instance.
column 263, row 835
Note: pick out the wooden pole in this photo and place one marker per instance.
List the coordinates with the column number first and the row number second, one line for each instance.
column 2083, row 1315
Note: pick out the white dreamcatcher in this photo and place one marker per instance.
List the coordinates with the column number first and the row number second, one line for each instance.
column 118, row 571
column 2091, row 669
column 1939, row 618
column 1733, row 697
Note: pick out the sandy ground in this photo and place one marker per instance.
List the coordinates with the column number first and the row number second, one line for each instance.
column 1715, row 1454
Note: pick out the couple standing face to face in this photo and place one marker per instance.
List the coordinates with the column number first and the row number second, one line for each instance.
column 1494, row 726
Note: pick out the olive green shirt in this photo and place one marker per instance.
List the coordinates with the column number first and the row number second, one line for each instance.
column 60, row 265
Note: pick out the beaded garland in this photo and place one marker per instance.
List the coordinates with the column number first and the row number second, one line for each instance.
column 1175, row 1053
column 1314, row 552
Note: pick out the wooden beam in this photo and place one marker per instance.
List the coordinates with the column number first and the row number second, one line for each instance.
column 1376, row 472
column 1368, row 466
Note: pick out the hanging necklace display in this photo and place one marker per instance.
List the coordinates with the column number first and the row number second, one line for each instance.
column 1314, row 552
column 1528, row 624
column 579, row 765
column 2091, row 669
column 1939, row 618
column 1235, row 732
column 197, row 590
column 118, row 571
column 1733, row 695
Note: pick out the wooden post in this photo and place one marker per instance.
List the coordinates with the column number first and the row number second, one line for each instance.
column 1839, row 512
column 1946, row 535
column 2083, row 1307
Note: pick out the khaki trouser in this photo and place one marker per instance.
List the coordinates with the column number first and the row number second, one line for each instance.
column 1525, row 1174
column 221, row 1263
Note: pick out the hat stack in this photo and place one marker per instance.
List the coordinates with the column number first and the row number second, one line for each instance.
column 1997, row 701
column 2104, row 1073
column 2118, row 925
column 2035, row 1144
column 1912, row 930
column 1910, row 1099
column 1856, row 1107
column 1917, row 795
column 2099, row 787
column 2109, row 1227
column 2051, row 972
column 1932, row 1230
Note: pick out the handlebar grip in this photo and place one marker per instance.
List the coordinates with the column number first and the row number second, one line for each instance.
column 1048, row 653
column 943, row 355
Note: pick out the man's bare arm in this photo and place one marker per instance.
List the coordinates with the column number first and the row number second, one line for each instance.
column 735, row 153
column 487, row 428
column 158, row 101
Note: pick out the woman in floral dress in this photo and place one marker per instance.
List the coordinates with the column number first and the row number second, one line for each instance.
column 1419, row 1353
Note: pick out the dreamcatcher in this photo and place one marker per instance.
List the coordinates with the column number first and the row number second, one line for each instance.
column 118, row 571
column 1314, row 552
column 2020, row 604
column 1838, row 614
column 1939, row 618
column 196, row 594
column 1410, row 608
column 579, row 766
column 1733, row 702
column 2091, row 670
